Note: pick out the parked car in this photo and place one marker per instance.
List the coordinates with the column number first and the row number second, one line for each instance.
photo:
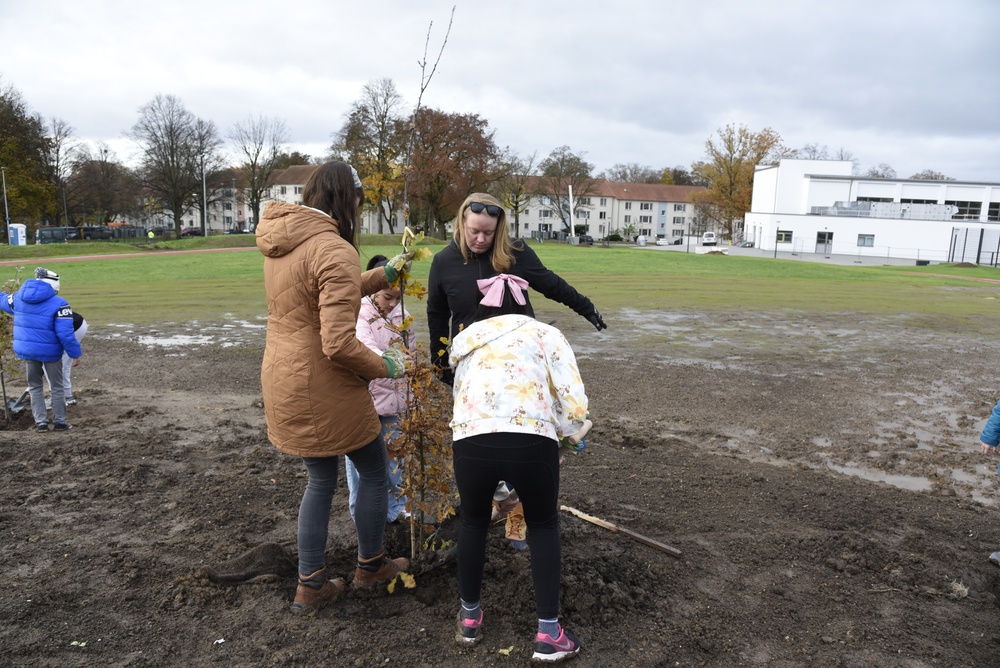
column 663, row 241
column 586, row 240
column 709, row 239
column 192, row 232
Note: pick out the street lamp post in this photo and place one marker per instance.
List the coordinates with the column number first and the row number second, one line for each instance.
column 6, row 214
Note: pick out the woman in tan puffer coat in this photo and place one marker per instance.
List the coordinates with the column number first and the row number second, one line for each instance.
column 315, row 371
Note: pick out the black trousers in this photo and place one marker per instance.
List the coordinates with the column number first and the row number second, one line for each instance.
column 530, row 464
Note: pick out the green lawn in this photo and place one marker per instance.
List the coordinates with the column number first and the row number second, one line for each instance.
column 159, row 286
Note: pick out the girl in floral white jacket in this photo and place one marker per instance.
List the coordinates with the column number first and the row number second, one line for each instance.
column 518, row 393
column 378, row 325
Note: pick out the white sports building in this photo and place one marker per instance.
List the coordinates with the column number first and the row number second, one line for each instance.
column 818, row 206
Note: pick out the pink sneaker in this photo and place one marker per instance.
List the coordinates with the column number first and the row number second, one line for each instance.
column 468, row 629
column 552, row 649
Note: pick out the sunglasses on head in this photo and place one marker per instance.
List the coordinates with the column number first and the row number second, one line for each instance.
column 492, row 210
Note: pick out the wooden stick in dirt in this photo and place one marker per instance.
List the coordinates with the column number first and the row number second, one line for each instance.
column 645, row 540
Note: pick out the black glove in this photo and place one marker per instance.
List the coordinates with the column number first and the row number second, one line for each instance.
column 596, row 320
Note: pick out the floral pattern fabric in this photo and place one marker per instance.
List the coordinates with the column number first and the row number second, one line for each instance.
column 515, row 374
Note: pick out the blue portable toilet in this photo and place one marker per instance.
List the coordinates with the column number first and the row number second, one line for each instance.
column 18, row 234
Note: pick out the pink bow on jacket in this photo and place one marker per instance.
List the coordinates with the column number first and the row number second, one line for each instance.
column 492, row 289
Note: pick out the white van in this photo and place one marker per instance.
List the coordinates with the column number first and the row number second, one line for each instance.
column 708, row 239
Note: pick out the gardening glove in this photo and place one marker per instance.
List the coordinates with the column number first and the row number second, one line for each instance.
column 575, row 443
column 596, row 320
column 398, row 265
column 395, row 360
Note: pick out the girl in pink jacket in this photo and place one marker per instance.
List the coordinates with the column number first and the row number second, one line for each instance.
column 378, row 322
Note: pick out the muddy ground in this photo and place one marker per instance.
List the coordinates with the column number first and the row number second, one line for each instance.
column 820, row 477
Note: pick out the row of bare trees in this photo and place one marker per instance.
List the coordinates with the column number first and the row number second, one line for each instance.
column 423, row 162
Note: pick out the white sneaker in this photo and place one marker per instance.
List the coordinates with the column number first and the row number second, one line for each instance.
column 71, row 401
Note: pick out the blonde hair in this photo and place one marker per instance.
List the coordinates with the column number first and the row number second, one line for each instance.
column 502, row 250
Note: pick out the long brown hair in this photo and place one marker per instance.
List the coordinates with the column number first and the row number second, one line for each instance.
column 502, row 250
column 332, row 190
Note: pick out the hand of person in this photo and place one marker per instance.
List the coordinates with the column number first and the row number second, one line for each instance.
column 987, row 448
column 596, row 320
column 76, row 361
column 395, row 360
column 399, row 264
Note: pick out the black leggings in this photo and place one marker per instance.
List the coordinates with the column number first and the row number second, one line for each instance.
column 530, row 464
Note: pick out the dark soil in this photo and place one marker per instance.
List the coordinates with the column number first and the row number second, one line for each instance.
column 821, row 478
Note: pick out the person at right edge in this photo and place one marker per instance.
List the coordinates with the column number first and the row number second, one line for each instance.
column 481, row 248
column 988, row 441
column 518, row 396
column 315, row 371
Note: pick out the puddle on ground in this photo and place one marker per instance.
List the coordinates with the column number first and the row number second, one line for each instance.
column 183, row 335
column 907, row 482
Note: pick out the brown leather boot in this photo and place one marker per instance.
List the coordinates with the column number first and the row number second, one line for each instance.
column 366, row 579
column 308, row 597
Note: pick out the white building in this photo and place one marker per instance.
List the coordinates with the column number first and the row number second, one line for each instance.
column 653, row 210
column 818, row 206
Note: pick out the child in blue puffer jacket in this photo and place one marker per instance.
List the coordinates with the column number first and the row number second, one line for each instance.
column 43, row 331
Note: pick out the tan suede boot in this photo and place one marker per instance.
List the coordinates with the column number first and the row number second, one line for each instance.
column 390, row 568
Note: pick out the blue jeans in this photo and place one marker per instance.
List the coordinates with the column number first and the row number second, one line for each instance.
column 314, row 511
column 397, row 500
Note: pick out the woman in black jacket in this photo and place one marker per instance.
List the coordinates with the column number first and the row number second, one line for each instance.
column 481, row 248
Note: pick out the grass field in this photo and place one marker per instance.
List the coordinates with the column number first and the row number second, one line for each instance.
column 159, row 286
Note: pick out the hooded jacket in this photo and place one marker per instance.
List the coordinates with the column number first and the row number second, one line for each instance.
column 375, row 332
column 315, row 371
column 452, row 294
column 43, row 323
column 515, row 374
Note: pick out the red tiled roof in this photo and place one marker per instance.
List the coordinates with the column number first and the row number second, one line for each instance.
column 296, row 175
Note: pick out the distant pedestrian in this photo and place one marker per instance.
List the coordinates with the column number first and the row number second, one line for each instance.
column 150, row 237
column 43, row 331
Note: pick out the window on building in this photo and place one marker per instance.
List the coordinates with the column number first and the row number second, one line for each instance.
column 678, row 233
column 645, row 219
column 583, row 201
column 229, row 221
column 993, row 213
column 582, row 213
column 678, row 220
column 602, row 215
column 228, row 206
column 628, row 205
column 628, row 219
column 604, row 201
column 917, row 201
column 874, row 199
column 680, row 207
column 545, row 200
column 298, row 190
column 544, row 213
column 784, row 236
column 866, row 240
column 966, row 210
column 527, row 212
column 645, row 231
column 283, row 190
column 646, row 206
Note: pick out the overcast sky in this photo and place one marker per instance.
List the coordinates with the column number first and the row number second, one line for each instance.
column 911, row 83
